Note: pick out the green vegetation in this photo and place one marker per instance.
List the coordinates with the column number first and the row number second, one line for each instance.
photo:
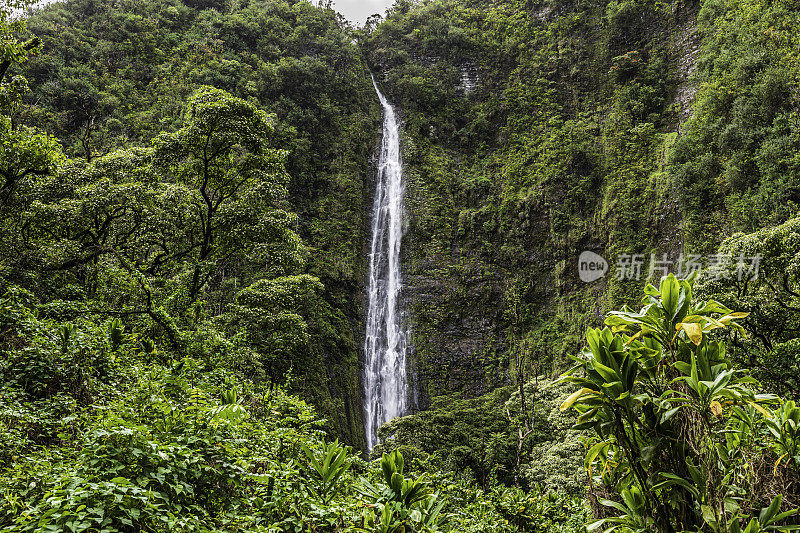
column 740, row 148
column 184, row 196
column 770, row 346
column 117, row 75
column 681, row 436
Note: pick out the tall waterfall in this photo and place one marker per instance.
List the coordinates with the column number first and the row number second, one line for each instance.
column 385, row 381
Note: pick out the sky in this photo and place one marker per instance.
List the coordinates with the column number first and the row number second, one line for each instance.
column 357, row 11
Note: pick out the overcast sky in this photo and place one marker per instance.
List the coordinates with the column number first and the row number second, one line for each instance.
column 357, row 11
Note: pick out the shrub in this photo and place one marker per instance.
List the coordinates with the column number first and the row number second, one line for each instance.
column 678, row 429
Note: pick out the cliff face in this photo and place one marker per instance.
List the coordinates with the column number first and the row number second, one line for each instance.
column 534, row 132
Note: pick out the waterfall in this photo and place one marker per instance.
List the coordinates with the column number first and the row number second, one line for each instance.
column 385, row 381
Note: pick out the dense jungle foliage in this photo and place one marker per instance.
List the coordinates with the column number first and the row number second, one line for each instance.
column 185, row 190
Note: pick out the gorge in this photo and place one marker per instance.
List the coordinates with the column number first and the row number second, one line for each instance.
column 265, row 271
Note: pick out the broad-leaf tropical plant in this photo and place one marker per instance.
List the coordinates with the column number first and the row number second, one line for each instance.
column 676, row 425
column 330, row 466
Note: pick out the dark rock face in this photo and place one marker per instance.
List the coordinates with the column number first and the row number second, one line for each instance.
column 455, row 335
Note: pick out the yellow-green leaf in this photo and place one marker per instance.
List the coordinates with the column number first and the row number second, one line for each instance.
column 574, row 397
column 733, row 316
column 693, row 330
column 778, row 462
column 760, row 409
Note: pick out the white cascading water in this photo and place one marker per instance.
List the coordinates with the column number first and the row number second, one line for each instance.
column 385, row 381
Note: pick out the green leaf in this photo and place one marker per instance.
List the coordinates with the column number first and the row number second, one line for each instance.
column 669, row 414
column 593, row 452
column 768, row 513
column 708, row 515
column 669, row 294
column 609, row 374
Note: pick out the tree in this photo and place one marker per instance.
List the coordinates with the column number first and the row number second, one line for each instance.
column 24, row 152
column 525, row 422
column 13, row 51
column 770, row 293
column 269, row 317
column 221, row 155
column 184, row 225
